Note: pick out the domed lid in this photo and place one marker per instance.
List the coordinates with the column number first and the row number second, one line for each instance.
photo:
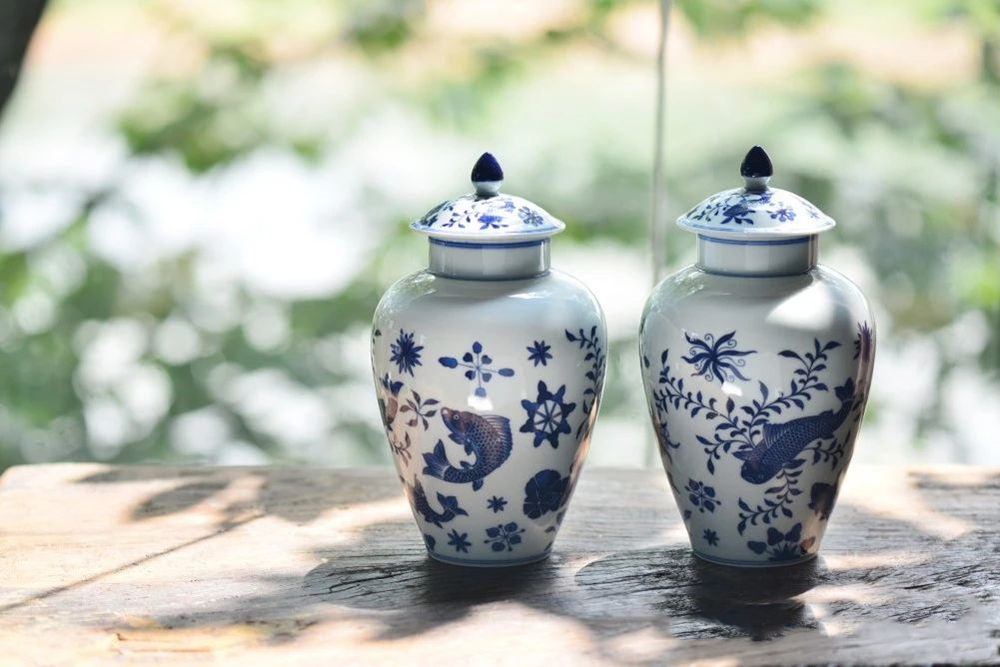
column 486, row 216
column 755, row 210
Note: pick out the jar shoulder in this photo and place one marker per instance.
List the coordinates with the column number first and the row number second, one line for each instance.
column 693, row 286
column 555, row 297
column 821, row 300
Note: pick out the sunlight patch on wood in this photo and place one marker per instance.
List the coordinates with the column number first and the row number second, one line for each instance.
column 862, row 594
column 641, row 646
column 345, row 525
column 889, row 493
column 872, row 560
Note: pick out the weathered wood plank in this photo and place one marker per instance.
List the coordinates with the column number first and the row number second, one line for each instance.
column 253, row 566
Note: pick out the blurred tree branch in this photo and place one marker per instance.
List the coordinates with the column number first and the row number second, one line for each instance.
column 18, row 19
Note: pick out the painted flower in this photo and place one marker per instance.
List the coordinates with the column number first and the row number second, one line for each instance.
column 539, row 353
column 422, row 410
column 711, row 537
column 459, row 541
column 490, row 221
column 544, row 493
column 459, row 219
column 504, row 536
column 663, row 437
column 783, row 546
column 496, row 504
column 738, row 213
column 479, row 367
column 547, row 415
column 702, row 496
column 863, row 343
column 717, row 359
column 405, row 353
column 432, row 214
column 783, row 214
column 530, row 217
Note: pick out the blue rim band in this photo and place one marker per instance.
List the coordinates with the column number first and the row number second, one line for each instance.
column 485, row 246
column 766, row 242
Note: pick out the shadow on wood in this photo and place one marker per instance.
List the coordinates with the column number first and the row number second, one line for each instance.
column 698, row 599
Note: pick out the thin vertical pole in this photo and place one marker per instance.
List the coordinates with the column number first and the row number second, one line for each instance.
column 658, row 222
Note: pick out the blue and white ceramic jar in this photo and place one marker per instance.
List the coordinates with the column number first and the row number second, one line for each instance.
column 757, row 364
column 488, row 367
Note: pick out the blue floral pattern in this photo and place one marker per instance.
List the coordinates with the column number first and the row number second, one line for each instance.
column 422, row 410
column 539, row 353
column 596, row 359
column 530, row 217
column 663, row 437
column 771, row 434
column 548, row 415
column 479, row 367
column 496, row 504
column 510, row 214
column 702, row 496
column 464, row 444
column 459, row 541
column 546, row 492
column 405, row 353
column 741, row 207
column 783, row 546
column 711, row 537
column 717, row 359
column 504, row 536
column 783, row 214
column 400, row 448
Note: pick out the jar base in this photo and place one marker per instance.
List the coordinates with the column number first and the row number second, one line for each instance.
column 472, row 562
column 752, row 564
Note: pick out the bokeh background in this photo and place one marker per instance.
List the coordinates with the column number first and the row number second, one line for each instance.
column 201, row 202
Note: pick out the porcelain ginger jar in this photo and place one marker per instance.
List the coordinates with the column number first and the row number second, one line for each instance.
column 757, row 363
column 488, row 368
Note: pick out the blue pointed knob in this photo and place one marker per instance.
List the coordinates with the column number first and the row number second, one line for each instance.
column 756, row 169
column 487, row 176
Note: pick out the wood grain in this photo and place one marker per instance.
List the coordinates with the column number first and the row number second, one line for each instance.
column 282, row 566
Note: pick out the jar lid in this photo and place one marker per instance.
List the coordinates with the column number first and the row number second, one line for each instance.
column 486, row 216
column 755, row 210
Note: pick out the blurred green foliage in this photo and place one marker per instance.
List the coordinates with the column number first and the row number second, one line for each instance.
column 940, row 249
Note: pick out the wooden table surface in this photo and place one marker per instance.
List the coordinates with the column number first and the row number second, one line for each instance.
column 273, row 566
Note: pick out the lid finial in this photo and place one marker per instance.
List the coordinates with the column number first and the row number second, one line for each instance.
column 487, row 176
column 756, row 169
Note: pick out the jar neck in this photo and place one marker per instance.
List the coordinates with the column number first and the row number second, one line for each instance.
column 489, row 261
column 773, row 257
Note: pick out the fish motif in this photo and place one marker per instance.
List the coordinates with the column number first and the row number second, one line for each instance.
column 781, row 443
column 822, row 498
column 486, row 436
column 418, row 498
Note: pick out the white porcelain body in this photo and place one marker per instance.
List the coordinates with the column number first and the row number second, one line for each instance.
column 748, row 379
column 546, row 328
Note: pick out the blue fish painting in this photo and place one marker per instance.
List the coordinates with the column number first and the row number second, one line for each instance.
column 781, row 443
column 485, row 436
column 449, row 505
